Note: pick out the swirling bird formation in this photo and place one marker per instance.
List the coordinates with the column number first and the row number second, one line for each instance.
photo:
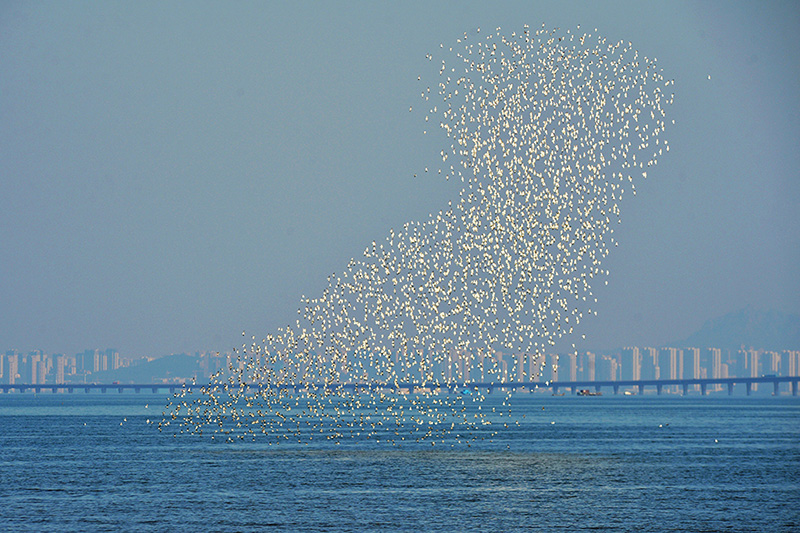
column 548, row 130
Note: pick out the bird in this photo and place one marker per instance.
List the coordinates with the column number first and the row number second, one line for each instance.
column 545, row 128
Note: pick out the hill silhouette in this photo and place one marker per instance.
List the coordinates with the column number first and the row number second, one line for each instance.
column 750, row 328
column 170, row 366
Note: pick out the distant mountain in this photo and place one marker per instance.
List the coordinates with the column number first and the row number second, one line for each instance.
column 169, row 367
column 751, row 328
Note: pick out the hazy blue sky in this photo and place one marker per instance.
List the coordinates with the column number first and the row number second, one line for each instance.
column 173, row 173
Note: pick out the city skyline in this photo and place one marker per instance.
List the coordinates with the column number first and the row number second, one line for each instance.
column 765, row 330
column 630, row 363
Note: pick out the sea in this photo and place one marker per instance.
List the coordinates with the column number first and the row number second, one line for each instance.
column 92, row 462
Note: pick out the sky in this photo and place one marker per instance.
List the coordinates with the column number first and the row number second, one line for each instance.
column 173, row 173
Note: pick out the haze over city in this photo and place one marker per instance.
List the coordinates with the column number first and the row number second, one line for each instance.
column 173, row 176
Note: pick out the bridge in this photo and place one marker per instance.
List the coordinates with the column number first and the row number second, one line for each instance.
column 684, row 384
column 88, row 387
column 410, row 387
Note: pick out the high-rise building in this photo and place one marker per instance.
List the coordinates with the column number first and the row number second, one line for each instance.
column 502, row 367
column 631, row 364
column 464, row 360
column 552, row 372
column 774, row 361
column 668, row 363
column 607, row 368
column 453, row 369
column 13, row 368
column 61, row 363
column 89, row 361
column 521, row 374
column 588, row 366
column 691, row 363
column 649, row 363
column 479, row 369
column 792, row 364
column 41, row 371
column 536, row 367
column 447, row 371
column 714, row 362
column 495, row 366
column 571, row 366
column 752, row 364
column 33, row 367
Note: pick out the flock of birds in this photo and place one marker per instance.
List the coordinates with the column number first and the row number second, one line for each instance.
column 548, row 129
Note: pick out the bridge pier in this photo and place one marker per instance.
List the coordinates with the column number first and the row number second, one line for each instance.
column 794, row 388
column 776, row 391
column 597, row 388
column 703, row 389
column 685, row 389
column 572, row 389
column 616, row 389
column 86, row 390
column 658, row 389
column 641, row 390
column 749, row 387
column 730, row 388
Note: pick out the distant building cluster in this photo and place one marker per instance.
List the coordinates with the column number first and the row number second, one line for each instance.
column 632, row 363
column 39, row 368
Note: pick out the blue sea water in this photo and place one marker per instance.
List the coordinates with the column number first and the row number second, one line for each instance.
column 90, row 462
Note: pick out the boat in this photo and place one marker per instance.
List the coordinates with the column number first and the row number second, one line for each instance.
column 587, row 392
